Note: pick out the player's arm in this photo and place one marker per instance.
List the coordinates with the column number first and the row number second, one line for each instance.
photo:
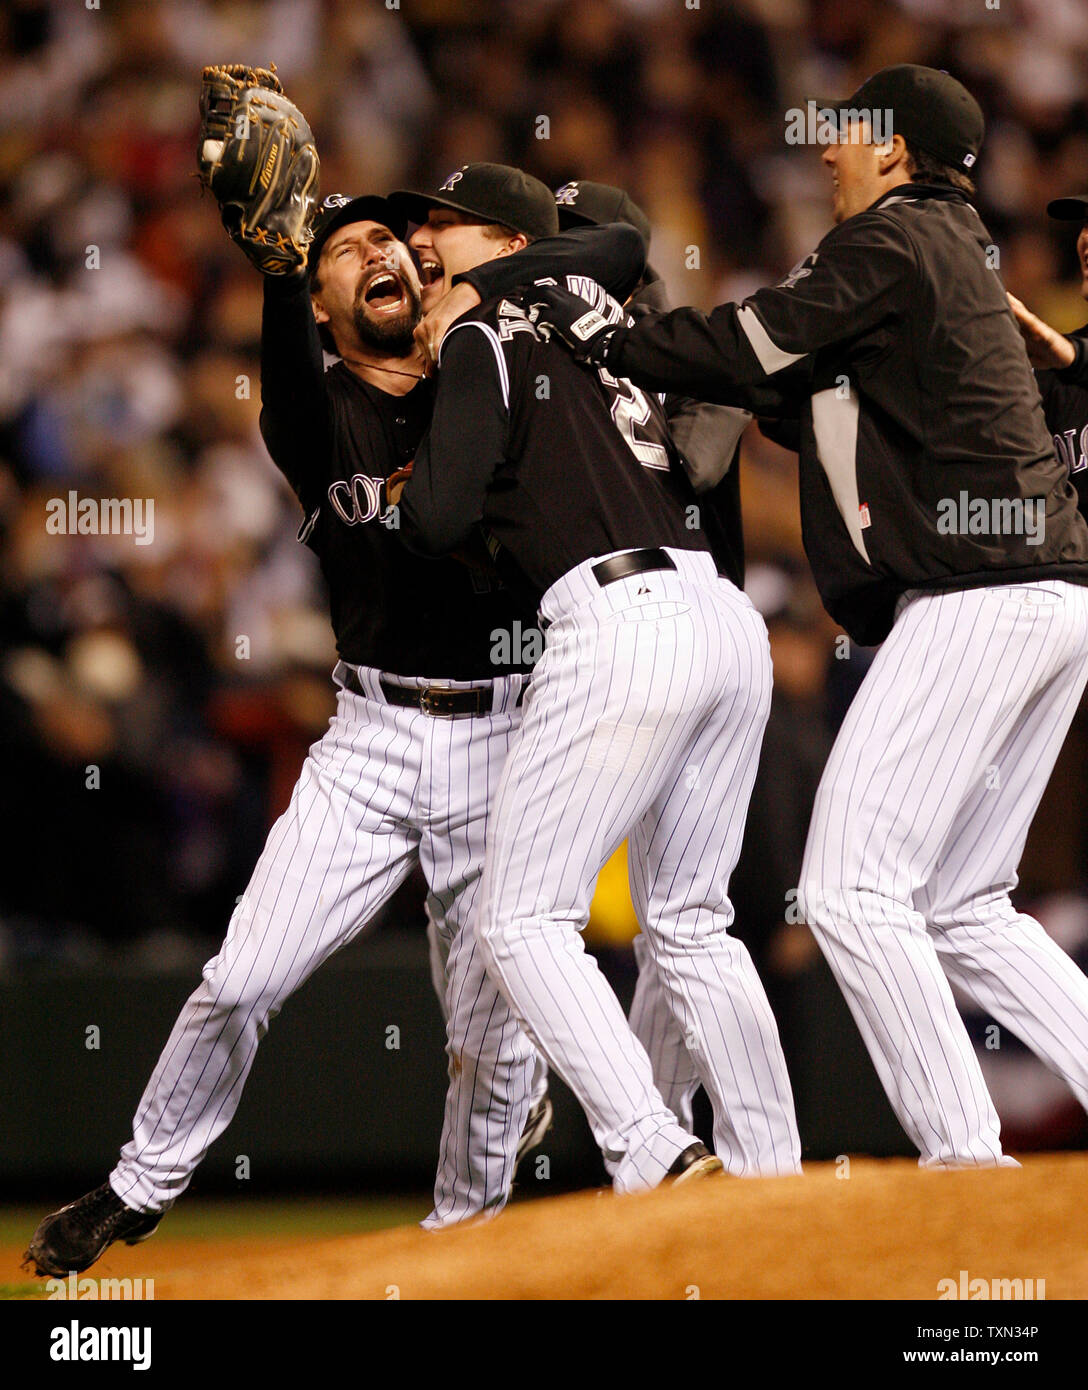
column 1076, row 370
column 295, row 417
column 1047, row 349
column 614, row 255
column 859, row 275
column 708, row 436
column 443, row 501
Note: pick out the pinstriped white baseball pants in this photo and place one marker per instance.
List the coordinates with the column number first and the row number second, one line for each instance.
column 918, row 827
column 652, row 1022
column 384, row 787
column 644, row 719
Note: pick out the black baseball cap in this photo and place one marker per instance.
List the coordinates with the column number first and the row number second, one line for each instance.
column 928, row 108
column 337, row 210
column 493, row 192
column 1071, row 209
column 581, row 203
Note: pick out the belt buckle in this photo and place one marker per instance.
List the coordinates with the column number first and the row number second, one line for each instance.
column 427, row 697
column 431, row 696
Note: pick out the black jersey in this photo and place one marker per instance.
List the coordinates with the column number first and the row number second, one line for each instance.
column 559, row 461
column 922, row 438
column 336, row 438
column 1065, row 405
column 705, row 435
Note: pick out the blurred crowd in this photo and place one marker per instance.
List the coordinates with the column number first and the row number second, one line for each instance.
column 157, row 699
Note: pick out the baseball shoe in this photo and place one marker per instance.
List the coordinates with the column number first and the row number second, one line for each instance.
column 74, row 1237
column 536, row 1126
column 695, row 1162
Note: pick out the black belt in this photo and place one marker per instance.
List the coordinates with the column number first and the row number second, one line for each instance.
column 631, row 562
column 623, row 567
column 436, row 700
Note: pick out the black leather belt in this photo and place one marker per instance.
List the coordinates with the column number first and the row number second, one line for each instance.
column 623, row 567
column 631, row 562
column 436, row 700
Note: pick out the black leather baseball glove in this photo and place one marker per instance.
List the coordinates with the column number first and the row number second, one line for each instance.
column 257, row 155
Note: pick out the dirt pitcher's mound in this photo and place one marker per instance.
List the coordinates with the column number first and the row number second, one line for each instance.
column 864, row 1230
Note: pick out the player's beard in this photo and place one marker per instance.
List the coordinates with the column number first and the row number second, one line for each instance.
column 392, row 337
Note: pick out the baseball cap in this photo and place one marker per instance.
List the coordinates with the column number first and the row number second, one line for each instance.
column 929, row 109
column 337, row 210
column 493, row 192
column 583, row 202
column 1071, row 209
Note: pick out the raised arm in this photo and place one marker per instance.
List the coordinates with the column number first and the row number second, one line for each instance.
column 295, row 418
column 613, row 255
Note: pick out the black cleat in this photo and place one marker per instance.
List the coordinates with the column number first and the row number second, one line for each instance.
column 536, row 1126
column 70, row 1240
column 695, row 1162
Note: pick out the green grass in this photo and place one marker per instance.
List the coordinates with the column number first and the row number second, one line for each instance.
column 9, row 1291
column 239, row 1217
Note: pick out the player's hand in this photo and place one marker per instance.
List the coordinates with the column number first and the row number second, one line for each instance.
column 582, row 329
column 394, row 485
column 433, row 327
column 1047, row 348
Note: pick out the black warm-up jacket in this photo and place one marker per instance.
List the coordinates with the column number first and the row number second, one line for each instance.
column 914, row 389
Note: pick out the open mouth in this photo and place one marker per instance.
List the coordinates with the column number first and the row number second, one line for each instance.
column 430, row 272
column 385, row 293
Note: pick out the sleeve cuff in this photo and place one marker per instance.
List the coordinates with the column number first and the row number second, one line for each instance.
column 286, row 286
column 1078, row 368
column 608, row 355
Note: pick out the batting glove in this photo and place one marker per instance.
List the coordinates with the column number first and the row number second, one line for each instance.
column 585, row 331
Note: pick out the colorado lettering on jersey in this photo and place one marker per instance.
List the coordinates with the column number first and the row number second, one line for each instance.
column 356, row 500
column 1071, row 446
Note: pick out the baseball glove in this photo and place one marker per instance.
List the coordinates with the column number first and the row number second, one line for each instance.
column 257, row 155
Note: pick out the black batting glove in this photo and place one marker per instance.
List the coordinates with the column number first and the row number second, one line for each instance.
column 585, row 331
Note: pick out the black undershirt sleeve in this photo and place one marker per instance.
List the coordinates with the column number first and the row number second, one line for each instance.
column 1076, row 374
column 614, row 255
column 296, row 423
column 443, row 500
